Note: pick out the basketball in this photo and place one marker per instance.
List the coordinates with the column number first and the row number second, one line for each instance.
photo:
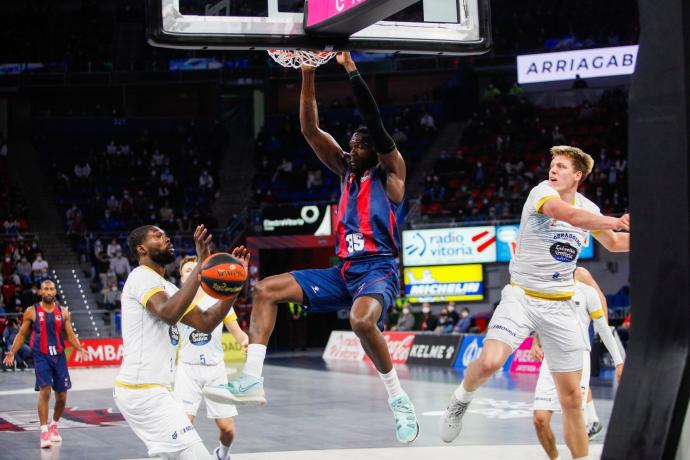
column 222, row 276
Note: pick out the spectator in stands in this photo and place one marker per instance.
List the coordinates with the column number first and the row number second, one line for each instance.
column 23, row 357
column 579, row 82
column 24, row 270
column 445, row 323
column 314, row 178
column 110, row 297
column 113, row 248
column 108, row 223
column 405, row 320
column 624, row 330
column 82, row 171
column 7, row 266
column 167, row 177
column 428, row 321
column 77, row 232
column 452, row 313
column 399, row 136
column 39, row 268
column 427, row 122
column 206, row 181
column 464, row 322
column 120, row 266
column 29, row 297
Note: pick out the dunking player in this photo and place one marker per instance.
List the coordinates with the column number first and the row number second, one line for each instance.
column 366, row 280
column 151, row 309
column 589, row 306
column 554, row 224
column 201, row 362
column 50, row 323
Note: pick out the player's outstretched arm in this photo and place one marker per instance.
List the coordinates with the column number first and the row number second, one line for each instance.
column 613, row 241
column 389, row 156
column 170, row 309
column 207, row 320
column 29, row 318
column 577, row 217
column 322, row 143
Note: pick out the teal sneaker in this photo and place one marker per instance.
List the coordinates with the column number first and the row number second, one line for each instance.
column 247, row 390
column 406, row 425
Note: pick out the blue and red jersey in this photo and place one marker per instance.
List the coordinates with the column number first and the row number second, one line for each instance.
column 47, row 337
column 366, row 217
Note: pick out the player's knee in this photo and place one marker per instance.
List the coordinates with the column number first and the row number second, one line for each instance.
column 361, row 325
column 263, row 292
column 61, row 396
column 541, row 421
column 488, row 365
column 571, row 400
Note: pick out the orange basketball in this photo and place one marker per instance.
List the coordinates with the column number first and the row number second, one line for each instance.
column 222, row 276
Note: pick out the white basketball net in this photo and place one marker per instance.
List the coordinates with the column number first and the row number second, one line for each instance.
column 295, row 58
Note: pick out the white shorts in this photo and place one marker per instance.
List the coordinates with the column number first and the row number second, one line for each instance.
column 190, row 381
column 545, row 394
column 560, row 331
column 157, row 418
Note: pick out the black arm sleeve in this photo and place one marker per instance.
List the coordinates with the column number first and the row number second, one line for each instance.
column 383, row 142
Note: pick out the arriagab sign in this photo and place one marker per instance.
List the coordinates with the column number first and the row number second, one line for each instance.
column 591, row 63
column 297, row 220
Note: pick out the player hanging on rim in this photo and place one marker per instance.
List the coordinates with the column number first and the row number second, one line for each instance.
column 50, row 323
column 590, row 306
column 366, row 279
column 201, row 362
column 553, row 227
column 151, row 309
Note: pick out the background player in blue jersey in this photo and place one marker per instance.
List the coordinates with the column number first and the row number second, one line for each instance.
column 366, row 280
column 49, row 324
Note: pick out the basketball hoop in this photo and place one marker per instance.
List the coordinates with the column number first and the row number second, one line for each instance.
column 296, row 58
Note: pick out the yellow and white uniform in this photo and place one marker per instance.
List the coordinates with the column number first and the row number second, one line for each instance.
column 588, row 306
column 201, row 363
column 541, row 290
column 142, row 388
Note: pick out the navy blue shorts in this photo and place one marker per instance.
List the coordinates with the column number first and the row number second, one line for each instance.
column 335, row 288
column 52, row 371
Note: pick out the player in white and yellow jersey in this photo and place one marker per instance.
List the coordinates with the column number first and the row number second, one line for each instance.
column 201, row 362
column 151, row 309
column 555, row 222
column 589, row 307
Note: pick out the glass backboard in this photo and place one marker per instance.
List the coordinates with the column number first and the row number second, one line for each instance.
column 428, row 26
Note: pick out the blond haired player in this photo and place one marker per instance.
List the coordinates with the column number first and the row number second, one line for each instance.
column 201, row 362
column 590, row 307
column 554, row 225
column 151, row 309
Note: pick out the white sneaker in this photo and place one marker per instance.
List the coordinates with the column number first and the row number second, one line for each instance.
column 451, row 420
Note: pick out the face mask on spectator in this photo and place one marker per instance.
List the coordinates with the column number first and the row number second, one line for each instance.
column 406, row 311
column 7, row 259
column 113, row 288
column 39, row 258
column 451, row 308
column 426, row 310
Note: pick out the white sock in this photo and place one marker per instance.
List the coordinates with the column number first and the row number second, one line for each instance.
column 463, row 395
column 557, row 458
column 256, row 353
column 44, row 428
column 224, row 450
column 392, row 384
column 591, row 413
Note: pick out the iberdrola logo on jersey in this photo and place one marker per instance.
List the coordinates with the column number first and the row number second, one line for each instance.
column 199, row 338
